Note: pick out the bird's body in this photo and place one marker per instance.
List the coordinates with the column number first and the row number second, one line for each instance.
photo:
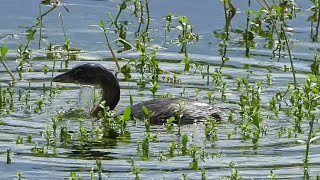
column 188, row 111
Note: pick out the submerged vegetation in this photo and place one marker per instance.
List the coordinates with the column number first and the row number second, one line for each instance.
column 255, row 113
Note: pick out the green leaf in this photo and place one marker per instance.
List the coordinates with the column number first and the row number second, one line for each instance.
column 4, row 50
column 127, row 46
column 127, row 113
column 46, row 2
column 45, row 69
column 169, row 17
column 186, row 64
column 126, row 71
column 183, row 20
column 102, row 24
column 170, row 120
column 184, row 141
column 315, row 90
column 145, row 110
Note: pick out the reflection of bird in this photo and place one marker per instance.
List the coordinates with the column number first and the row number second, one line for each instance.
column 161, row 109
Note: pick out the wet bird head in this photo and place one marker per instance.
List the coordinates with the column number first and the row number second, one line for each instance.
column 86, row 74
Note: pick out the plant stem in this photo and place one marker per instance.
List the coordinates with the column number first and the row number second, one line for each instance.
column 62, row 24
column 290, row 56
column 53, row 68
column 40, row 26
column 114, row 57
column 318, row 22
column 305, row 163
column 8, row 70
column 148, row 15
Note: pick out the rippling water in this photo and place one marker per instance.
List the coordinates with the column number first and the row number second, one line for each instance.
column 282, row 155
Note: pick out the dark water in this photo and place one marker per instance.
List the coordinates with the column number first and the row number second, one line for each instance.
column 283, row 156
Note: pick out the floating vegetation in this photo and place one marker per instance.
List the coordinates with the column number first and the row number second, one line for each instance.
column 255, row 60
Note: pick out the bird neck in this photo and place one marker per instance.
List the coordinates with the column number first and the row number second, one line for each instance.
column 110, row 95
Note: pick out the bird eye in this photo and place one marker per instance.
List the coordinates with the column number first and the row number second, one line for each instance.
column 78, row 72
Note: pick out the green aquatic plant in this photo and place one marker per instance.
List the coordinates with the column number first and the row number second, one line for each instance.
column 91, row 174
column 210, row 97
column 123, row 120
column 276, row 15
column 135, row 170
column 71, row 51
column 38, row 151
column 27, row 94
column 250, row 110
column 9, row 156
column 197, row 92
column 146, row 61
column 55, row 120
column 229, row 13
column 187, row 36
column 174, row 79
column 203, row 174
column 268, row 79
column 29, row 138
column 154, row 88
column 314, row 20
column 142, row 13
column 168, row 27
column 169, row 124
column 248, row 35
column 1, row 97
column 274, row 106
column 184, row 177
column 74, row 176
column 195, row 160
column 184, row 143
column 234, row 172
column 19, row 176
column 11, row 94
column 47, row 135
column 53, row 90
column 145, row 146
column 308, row 96
column 120, row 26
column 4, row 51
column 179, row 113
column 172, row 148
column 65, row 136
column 217, row 78
column 126, row 70
column 84, row 135
column 39, row 103
column 223, row 91
column 211, row 128
column 162, row 157
column 25, row 52
column 147, row 115
column 250, row 105
column 105, row 32
column 54, row 4
column 99, row 168
column 19, row 140
column 5, row 100
column 40, row 26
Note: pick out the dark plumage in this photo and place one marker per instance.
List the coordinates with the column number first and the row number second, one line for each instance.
column 161, row 109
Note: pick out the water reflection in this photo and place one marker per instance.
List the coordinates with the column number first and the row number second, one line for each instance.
column 59, row 156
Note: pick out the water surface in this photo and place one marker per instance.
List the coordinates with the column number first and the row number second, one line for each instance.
column 282, row 155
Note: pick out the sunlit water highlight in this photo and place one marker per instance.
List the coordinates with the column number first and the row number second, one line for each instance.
column 282, row 155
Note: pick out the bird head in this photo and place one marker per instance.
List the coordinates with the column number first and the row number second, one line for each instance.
column 85, row 74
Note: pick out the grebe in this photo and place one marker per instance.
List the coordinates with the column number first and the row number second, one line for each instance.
column 161, row 109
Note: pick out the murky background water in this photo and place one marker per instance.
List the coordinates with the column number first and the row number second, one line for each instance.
column 283, row 156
